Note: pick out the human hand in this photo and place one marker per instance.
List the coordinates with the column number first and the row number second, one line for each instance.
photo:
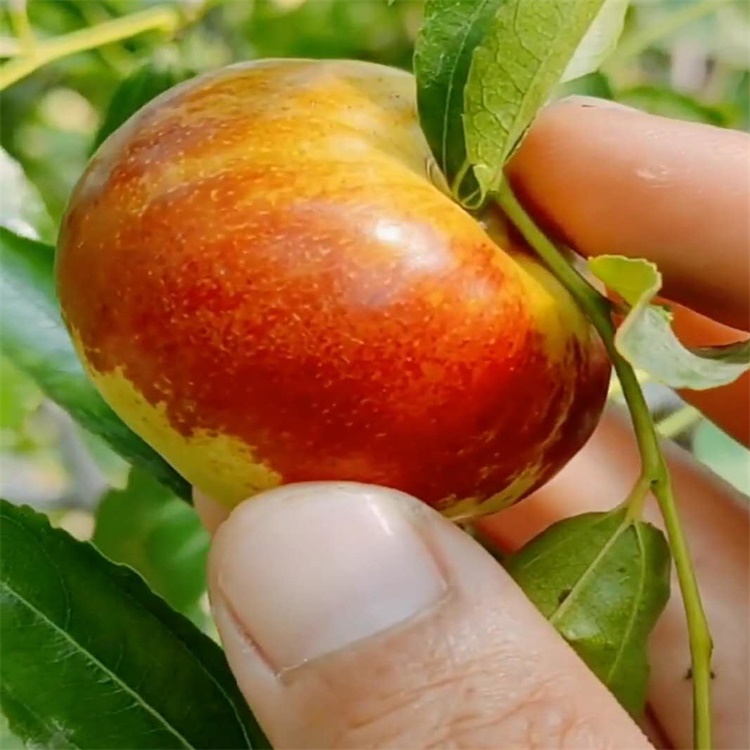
column 354, row 616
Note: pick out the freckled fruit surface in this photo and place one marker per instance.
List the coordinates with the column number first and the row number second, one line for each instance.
column 264, row 280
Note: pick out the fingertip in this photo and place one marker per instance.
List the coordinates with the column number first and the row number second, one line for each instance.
column 608, row 179
column 356, row 616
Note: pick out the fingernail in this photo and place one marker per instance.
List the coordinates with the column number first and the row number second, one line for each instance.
column 309, row 569
column 594, row 102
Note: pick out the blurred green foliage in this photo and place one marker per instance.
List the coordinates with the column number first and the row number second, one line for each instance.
column 688, row 59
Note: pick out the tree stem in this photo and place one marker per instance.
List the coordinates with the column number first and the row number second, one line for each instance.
column 165, row 18
column 654, row 470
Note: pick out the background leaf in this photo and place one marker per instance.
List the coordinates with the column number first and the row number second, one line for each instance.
column 519, row 63
column 726, row 457
column 645, row 337
column 660, row 100
column 93, row 659
column 155, row 76
column 18, row 396
column 148, row 528
column 34, row 339
column 602, row 582
column 21, row 208
column 593, row 84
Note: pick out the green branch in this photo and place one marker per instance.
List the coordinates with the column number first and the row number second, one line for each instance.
column 654, row 471
column 680, row 421
column 167, row 19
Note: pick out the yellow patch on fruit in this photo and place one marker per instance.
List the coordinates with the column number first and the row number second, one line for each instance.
column 557, row 315
column 221, row 466
column 472, row 508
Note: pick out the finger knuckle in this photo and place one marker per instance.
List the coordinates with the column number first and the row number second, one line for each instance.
column 470, row 707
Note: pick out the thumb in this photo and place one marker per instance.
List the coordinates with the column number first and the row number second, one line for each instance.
column 355, row 616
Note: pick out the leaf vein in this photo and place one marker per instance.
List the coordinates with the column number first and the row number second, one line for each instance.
column 96, row 662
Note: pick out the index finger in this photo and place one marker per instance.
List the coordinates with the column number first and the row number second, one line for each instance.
column 610, row 179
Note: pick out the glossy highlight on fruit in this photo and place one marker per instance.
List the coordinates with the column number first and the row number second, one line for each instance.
column 267, row 281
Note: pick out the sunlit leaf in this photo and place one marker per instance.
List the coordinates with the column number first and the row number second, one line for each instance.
column 21, row 208
column 599, row 42
column 527, row 47
column 646, row 339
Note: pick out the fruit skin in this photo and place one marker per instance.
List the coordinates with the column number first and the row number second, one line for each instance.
column 266, row 280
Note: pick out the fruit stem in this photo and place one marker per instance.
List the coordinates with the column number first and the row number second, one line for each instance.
column 165, row 18
column 654, row 471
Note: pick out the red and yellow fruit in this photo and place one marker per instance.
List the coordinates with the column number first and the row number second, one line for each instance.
column 265, row 281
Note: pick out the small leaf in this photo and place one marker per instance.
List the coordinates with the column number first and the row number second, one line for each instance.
column 146, row 527
column 450, row 32
column 527, row 47
column 646, row 339
column 92, row 658
column 602, row 581
column 599, row 42
column 34, row 339
column 152, row 78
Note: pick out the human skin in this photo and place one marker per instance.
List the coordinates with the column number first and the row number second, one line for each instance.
column 480, row 668
column 266, row 283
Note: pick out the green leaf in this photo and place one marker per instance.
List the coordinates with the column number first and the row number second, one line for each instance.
column 146, row 527
column 93, row 659
column 484, row 67
column 33, row 337
column 594, row 84
column 659, row 100
column 18, row 396
column 152, row 78
column 603, row 582
column 599, row 42
column 645, row 337
column 8, row 740
column 449, row 34
column 526, row 49
column 21, row 208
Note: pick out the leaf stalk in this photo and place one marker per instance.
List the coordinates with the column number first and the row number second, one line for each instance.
column 654, row 471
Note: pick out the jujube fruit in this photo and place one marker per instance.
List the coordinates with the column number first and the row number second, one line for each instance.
column 267, row 282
